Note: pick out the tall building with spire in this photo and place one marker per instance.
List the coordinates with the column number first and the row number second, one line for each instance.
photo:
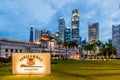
column 61, row 29
column 31, row 34
column 75, row 25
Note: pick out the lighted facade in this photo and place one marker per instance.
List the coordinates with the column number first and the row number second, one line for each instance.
column 116, row 37
column 75, row 25
column 61, row 29
column 67, row 35
column 93, row 32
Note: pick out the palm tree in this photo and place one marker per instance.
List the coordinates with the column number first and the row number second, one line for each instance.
column 107, row 50
column 96, row 45
column 102, row 50
column 111, row 49
column 88, row 47
column 66, row 44
column 114, row 52
column 74, row 44
column 59, row 44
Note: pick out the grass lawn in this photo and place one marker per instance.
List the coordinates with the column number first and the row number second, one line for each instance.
column 72, row 70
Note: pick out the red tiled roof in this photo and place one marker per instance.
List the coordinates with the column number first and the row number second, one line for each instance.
column 44, row 37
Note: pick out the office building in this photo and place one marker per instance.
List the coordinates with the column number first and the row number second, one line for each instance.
column 67, row 35
column 61, row 29
column 75, row 26
column 93, row 32
column 37, row 35
column 116, row 37
column 31, row 34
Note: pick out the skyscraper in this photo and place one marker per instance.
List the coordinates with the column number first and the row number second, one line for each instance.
column 31, row 34
column 116, row 37
column 93, row 32
column 37, row 35
column 61, row 29
column 75, row 25
column 67, row 35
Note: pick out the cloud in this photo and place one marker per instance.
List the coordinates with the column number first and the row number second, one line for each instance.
column 17, row 16
column 105, row 12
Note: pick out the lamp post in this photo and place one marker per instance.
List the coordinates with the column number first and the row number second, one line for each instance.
column 0, row 50
column 51, row 46
column 51, row 39
column 106, row 47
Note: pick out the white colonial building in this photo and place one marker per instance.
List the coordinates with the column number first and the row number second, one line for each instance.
column 7, row 47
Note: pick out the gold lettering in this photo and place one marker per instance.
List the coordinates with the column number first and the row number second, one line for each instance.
column 31, row 56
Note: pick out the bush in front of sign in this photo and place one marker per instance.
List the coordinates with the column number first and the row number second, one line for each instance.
column 3, row 59
column 10, row 58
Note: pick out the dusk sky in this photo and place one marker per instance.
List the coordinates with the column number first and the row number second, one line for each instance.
column 17, row 16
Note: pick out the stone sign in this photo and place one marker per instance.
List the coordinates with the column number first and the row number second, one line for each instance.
column 31, row 63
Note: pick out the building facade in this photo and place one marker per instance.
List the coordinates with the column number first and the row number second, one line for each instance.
column 61, row 29
column 116, row 37
column 7, row 47
column 75, row 25
column 67, row 35
column 31, row 34
column 93, row 32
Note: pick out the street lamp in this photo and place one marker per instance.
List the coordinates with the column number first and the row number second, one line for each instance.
column 106, row 47
column 0, row 50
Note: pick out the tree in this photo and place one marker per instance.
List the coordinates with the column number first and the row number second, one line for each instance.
column 66, row 45
column 107, row 50
column 88, row 47
column 74, row 44
column 96, row 46
column 59, row 44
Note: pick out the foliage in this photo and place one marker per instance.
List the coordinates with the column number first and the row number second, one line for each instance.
column 3, row 59
column 104, row 49
column 108, row 48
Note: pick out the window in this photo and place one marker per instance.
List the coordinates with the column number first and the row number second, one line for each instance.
column 16, row 51
column 6, row 50
column 11, row 50
column 20, row 50
column 74, row 26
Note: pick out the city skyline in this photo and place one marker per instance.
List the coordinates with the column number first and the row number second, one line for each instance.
column 16, row 17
